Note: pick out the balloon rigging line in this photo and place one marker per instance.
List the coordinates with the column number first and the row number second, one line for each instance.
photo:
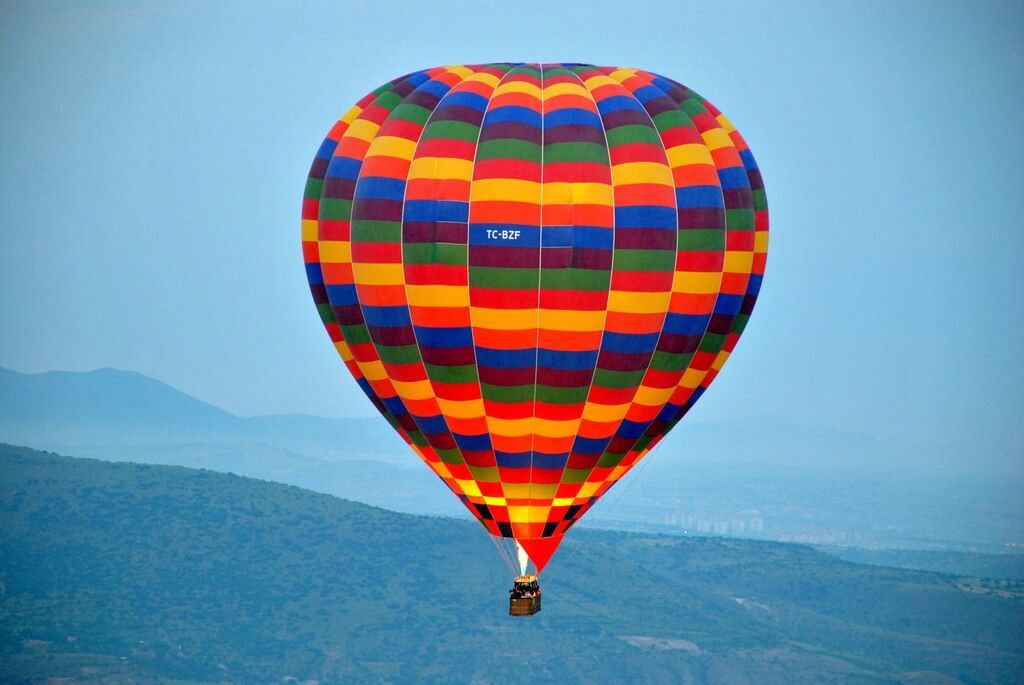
column 603, row 515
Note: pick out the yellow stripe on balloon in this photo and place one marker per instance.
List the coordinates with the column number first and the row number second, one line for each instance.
column 469, row 487
column 622, row 74
column 362, row 129
column 697, row 282
column 580, row 193
column 461, row 409
column 761, row 241
column 518, row 87
column 692, row 378
column 571, row 320
column 373, row 370
column 599, row 80
column 391, row 146
column 460, row 70
column 687, row 155
column 372, row 273
column 653, row 397
column 726, row 125
column 344, row 350
column 557, row 89
column 310, row 230
column 638, row 302
column 602, row 413
column 504, row 319
column 739, row 262
column 641, row 172
column 413, row 390
column 335, row 251
column 716, row 139
column 517, row 428
column 505, row 189
column 447, row 168
column 438, row 295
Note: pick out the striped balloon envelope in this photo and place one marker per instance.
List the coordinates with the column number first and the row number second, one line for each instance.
column 533, row 271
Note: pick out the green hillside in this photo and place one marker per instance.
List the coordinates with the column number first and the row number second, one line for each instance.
column 153, row 574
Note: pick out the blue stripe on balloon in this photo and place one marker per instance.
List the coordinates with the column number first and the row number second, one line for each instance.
column 513, row 114
column 314, row 274
column 464, row 99
column 343, row 167
column 566, row 361
column 590, row 445
column 386, row 317
column 438, row 88
column 572, row 116
column 342, row 294
column 617, row 103
column 627, row 343
column 513, row 460
column 394, row 405
column 435, row 210
column 631, row 430
column 754, row 287
column 728, row 303
column 748, row 160
column 444, row 337
column 432, row 425
column 668, row 412
column 597, row 237
column 506, row 359
column 327, row 149
column 686, row 324
column 692, row 197
column 380, row 188
column 645, row 216
column 648, row 93
column 734, row 177
column 473, row 443
column 662, row 82
column 549, row 461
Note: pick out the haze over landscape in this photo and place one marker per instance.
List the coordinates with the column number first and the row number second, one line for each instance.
column 194, row 491
column 149, row 241
column 156, row 574
column 110, row 414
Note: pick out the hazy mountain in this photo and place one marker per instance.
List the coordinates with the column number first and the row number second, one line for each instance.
column 104, row 397
column 111, row 408
column 1008, row 566
column 117, row 572
column 122, row 415
column 756, row 478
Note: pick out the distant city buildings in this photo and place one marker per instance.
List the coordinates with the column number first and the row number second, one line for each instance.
column 751, row 524
column 742, row 523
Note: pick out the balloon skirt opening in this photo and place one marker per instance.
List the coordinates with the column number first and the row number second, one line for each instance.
column 540, row 549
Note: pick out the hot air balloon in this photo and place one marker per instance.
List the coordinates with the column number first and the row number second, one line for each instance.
column 533, row 271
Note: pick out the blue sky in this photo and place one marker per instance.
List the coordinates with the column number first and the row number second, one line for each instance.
column 152, row 158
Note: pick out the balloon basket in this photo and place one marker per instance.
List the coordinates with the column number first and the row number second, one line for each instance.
column 524, row 597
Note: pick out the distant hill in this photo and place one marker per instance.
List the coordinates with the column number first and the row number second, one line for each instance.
column 113, row 406
column 122, row 415
column 1009, row 566
column 117, row 572
column 104, row 397
column 707, row 478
